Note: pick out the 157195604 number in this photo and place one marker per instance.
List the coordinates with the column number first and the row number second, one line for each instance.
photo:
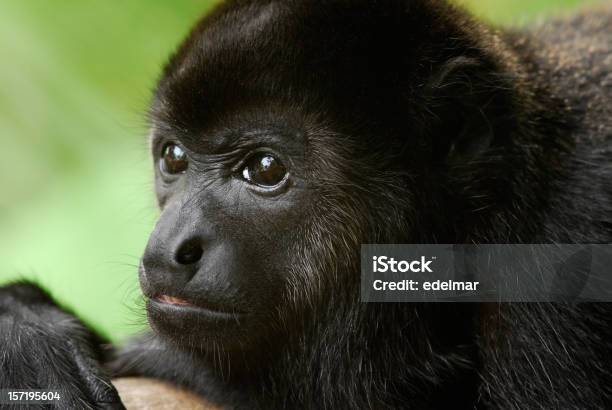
column 16, row 396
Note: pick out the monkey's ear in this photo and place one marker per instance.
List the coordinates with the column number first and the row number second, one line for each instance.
column 469, row 104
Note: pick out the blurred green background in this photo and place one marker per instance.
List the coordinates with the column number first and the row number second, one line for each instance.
column 76, row 202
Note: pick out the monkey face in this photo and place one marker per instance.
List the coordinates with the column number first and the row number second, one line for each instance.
column 248, row 179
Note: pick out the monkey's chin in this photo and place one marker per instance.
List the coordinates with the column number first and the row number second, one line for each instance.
column 192, row 325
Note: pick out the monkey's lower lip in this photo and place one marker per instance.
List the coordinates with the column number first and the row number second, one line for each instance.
column 171, row 300
column 173, row 304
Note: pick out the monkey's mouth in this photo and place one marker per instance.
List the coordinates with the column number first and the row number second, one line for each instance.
column 184, row 320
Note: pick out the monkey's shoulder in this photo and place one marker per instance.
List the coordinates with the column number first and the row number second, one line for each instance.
column 570, row 59
column 579, row 45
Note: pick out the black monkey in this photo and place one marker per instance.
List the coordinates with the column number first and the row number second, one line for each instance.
column 285, row 133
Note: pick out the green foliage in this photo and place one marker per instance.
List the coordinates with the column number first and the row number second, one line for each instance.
column 77, row 202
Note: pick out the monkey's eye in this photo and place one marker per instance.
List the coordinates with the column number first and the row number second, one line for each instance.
column 173, row 159
column 264, row 169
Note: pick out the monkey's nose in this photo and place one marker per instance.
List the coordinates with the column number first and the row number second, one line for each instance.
column 189, row 252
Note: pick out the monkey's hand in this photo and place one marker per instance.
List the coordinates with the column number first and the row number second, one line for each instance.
column 44, row 347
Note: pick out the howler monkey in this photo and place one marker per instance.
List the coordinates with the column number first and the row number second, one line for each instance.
column 285, row 133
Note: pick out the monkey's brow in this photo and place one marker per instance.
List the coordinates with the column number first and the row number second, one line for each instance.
column 229, row 139
column 222, row 139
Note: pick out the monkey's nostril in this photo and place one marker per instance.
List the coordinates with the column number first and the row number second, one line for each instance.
column 189, row 252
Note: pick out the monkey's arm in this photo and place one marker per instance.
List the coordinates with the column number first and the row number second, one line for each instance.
column 42, row 346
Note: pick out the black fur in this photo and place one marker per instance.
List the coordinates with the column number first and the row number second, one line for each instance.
column 401, row 121
column 43, row 346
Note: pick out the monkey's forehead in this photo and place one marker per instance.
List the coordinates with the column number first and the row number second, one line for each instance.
column 319, row 44
column 323, row 56
column 301, row 31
